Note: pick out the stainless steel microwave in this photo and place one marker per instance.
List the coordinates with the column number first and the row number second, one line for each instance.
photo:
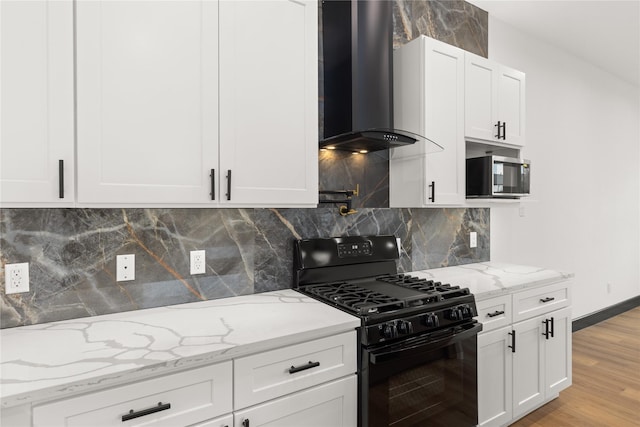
column 498, row 177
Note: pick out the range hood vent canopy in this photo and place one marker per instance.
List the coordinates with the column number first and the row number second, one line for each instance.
column 357, row 39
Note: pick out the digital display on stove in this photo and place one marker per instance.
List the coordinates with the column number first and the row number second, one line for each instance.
column 354, row 249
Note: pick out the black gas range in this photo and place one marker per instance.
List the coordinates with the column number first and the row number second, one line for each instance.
column 416, row 334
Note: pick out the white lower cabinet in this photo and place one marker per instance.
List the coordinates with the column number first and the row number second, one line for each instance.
column 313, row 383
column 333, row 404
column 542, row 360
column 495, row 366
column 527, row 362
column 182, row 398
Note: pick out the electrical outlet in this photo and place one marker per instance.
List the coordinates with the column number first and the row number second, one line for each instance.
column 16, row 278
column 198, row 262
column 125, row 268
column 473, row 239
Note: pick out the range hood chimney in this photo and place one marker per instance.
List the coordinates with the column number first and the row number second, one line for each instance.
column 357, row 37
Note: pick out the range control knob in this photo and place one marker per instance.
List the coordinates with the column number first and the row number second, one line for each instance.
column 431, row 320
column 389, row 330
column 405, row 327
column 467, row 312
column 455, row 314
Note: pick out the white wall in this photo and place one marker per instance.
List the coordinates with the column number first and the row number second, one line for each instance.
column 583, row 139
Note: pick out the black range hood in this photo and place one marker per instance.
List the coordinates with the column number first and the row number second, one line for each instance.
column 357, row 38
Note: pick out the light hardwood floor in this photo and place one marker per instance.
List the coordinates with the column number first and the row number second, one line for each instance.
column 606, row 379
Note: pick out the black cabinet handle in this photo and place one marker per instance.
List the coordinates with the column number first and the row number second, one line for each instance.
column 213, row 184
column 245, row 422
column 552, row 327
column 513, row 341
column 546, row 328
column 495, row 313
column 502, row 126
column 547, row 299
column 61, row 179
column 309, row 365
column 433, row 191
column 229, row 184
column 132, row 414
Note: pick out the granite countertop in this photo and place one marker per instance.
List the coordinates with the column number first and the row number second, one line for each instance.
column 490, row 279
column 58, row 359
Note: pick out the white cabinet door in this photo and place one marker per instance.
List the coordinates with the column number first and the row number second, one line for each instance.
column 429, row 101
column 494, row 101
column 494, row 377
column 480, row 98
column 332, row 404
column 147, row 101
column 511, row 104
column 558, row 352
column 37, row 128
column 269, row 102
column 528, row 366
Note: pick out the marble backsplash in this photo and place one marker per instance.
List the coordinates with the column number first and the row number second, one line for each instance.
column 72, row 252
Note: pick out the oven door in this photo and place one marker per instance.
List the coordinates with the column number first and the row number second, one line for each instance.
column 424, row 381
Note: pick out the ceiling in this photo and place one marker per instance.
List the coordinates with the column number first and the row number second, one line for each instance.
column 603, row 32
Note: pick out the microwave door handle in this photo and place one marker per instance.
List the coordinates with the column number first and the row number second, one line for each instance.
column 424, row 346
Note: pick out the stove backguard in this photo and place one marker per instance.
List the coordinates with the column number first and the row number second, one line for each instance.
column 324, row 260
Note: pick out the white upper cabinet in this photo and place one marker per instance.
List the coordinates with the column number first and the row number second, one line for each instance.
column 37, row 135
column 269, row 102
column 172, row 99
column 147, row 117
column 429, row 101
column 198, row 102
column 494, row 102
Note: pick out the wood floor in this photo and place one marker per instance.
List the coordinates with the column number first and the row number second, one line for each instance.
column 606, row 379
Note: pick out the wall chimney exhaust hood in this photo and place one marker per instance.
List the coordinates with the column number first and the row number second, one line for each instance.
column 357, row 38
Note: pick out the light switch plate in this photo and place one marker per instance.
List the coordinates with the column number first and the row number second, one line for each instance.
column 473, row 239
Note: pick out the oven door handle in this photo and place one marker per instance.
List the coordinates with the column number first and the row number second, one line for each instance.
column 422, row 346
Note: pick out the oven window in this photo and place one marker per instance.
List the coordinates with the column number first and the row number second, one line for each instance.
column 436, row 388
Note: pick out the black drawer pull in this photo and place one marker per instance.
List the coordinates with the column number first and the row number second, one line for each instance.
column 309, row 365
column 495, row 313
column 132, row 414
column 547, row 299
column 245, row 422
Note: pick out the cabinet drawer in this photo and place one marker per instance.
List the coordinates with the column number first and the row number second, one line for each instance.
column 193, row 396
column 271, row 374
column 534, row 302
column 495, row 312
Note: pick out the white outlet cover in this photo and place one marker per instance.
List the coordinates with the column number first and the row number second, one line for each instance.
column 125, row 268
column 16, row 278
column 198, row 262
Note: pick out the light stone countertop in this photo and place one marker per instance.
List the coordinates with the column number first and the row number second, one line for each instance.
column 58, row 359
column 489, row 279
